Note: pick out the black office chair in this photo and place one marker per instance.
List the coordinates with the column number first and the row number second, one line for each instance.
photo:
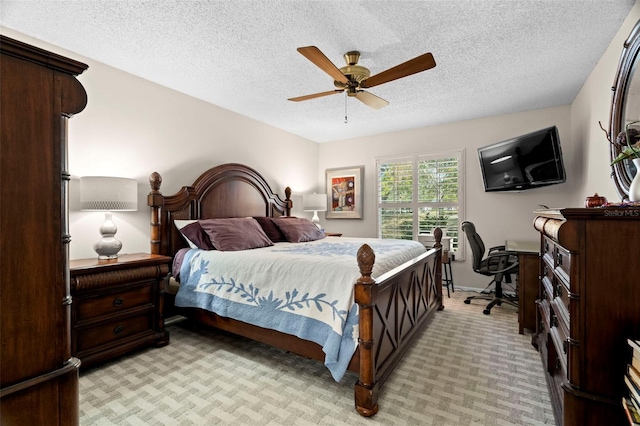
column 499, row 264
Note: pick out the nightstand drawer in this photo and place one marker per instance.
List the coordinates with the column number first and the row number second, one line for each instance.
column 94, row 307
column 110, row 331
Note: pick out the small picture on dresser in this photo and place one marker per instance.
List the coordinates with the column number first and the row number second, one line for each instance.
column 344, row 189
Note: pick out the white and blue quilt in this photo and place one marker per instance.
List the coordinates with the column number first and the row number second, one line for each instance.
column 303, row 289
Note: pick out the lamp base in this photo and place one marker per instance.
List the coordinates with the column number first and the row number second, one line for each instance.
column 108, row 247
column 316, row 220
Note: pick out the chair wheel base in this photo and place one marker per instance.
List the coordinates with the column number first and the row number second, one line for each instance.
column 486, row 311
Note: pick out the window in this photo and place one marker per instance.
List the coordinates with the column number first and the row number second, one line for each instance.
column 419, row 193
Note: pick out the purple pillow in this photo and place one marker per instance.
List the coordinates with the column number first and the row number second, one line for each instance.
column 197, row 236
column 273, row 232
column 299, row 229
column 236, row 233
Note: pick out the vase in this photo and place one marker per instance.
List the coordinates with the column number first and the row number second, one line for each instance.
column 634, row 188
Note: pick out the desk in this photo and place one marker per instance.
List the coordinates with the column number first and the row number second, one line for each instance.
column 528, row 280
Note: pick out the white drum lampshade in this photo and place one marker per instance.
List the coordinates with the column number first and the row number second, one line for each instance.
column 108, row 194
column 315, row 203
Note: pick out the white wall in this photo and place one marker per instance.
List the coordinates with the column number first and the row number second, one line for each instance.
column 497, row 216
column 592, row 105
column 132, row 127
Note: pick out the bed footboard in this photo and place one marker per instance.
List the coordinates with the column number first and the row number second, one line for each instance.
column 393, row 311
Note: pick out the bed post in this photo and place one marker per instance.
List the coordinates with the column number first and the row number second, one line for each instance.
column 287, row 201
column 437, row 233
column 155, row 200
column 366, row 388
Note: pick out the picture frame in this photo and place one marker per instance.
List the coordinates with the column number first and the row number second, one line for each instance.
column 344, row 192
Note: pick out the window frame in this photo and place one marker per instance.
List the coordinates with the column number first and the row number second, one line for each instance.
column 459, row 252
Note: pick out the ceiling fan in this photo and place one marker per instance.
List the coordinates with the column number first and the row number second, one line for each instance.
column 353, row 78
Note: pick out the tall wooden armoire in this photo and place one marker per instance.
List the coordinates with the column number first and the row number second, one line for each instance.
column 38, row 376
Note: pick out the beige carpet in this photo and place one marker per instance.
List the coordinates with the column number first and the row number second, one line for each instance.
column 466, row 369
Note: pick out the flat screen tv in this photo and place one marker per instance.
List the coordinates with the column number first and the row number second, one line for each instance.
column 524, row 162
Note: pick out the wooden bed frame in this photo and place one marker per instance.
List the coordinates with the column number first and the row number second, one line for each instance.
column 393, row 309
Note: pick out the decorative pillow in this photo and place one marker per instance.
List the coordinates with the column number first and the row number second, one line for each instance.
column 194, row 233
column 273, row 232
column 193, row 239
column 299, row 229
column 233, row 234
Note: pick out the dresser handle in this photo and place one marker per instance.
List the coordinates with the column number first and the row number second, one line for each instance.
column 118, row 302
column 118, row 330
column 559, row 257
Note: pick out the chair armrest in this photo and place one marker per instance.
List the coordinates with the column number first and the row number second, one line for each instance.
column 502, row 253
column 500, row 248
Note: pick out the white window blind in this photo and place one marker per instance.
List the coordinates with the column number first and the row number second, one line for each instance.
column 419, row 193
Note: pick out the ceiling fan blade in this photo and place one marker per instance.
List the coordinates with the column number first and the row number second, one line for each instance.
column 315, row 95
column 412, row 66
column 371, row 100
column 314, row 54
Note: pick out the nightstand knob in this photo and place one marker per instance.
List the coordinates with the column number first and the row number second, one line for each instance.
column 118, row 330
column 118, row 302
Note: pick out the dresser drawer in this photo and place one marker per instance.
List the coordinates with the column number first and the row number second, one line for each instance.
column 548, row 254
column 548, row 247
column 562, row 295
column 114, row 330
column 547, row 267
column 542, row 332
column 547, row 289
column 557, row 377
column 94, row 307
column 560, row 348
column 563, row 264
column 559, row 331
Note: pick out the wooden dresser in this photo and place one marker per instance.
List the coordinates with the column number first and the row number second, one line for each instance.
column 589, row 305
column 117, row 305
column 38, row 375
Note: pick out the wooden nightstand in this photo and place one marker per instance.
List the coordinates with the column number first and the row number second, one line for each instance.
column 333, row 234
column 117, row 306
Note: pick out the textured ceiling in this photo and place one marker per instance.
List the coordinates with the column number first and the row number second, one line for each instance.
column 493, row 57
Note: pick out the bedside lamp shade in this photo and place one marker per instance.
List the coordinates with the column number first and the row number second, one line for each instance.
column 315, row 203
column 108, row 194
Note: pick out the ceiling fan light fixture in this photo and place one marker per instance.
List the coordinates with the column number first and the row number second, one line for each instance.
column 356, row 73
column 352, row 78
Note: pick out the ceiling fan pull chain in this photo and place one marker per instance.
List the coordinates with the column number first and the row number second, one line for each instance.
column 345, row 108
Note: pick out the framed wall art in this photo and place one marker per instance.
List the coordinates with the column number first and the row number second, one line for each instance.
column 344, row 193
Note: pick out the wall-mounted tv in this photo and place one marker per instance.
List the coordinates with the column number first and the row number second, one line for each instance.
column 524, row 162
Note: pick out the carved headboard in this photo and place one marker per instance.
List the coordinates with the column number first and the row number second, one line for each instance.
column 228, row 190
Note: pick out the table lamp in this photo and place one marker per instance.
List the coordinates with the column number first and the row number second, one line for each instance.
column 108, row 194
column 315, row 203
